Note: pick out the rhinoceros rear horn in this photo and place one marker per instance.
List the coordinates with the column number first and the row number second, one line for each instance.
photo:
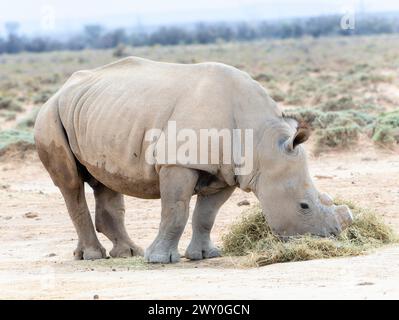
column 302, row 134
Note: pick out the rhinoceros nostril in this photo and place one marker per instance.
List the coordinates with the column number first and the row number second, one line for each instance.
column 335, row 232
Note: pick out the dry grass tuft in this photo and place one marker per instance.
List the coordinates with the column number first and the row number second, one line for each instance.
column 252, row 236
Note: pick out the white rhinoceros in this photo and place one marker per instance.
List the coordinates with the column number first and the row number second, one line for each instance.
column 93, row 130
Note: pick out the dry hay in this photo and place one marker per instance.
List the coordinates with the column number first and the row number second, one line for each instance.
column 251, row 236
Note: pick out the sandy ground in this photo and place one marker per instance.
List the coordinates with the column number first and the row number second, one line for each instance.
column 36, row 249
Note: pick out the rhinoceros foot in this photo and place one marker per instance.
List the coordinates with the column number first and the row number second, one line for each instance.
column 198, row 252
column 156, row 254
column 90, row 253
column 126, row 251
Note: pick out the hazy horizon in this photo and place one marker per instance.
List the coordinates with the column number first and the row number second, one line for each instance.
column 66, row 17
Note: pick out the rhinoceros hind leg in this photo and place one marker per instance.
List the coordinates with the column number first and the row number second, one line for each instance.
column 110, row 220
column 177, row 186
column 206, row 209
column 62, row 168
column 89, row 248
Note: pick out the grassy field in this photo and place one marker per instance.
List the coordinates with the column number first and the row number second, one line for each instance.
column 344, row 87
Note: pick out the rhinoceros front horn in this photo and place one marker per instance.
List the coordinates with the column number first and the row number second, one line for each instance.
column 344, row 216
column 302, row 134
column 326, row 199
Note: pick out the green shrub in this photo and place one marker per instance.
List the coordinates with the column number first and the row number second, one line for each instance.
column 335, row 128
column 307, row 115
column 120, row 51
column 362, row 119
column 8, row 115
column 29, row 121
column 386, row 128
column 317, row 119
column 9, row 138
column 343, row 103
column 42, row 97
column 263, row 77
column 10, row 104
column 295, row 98
column 340, row 136
column 307, row 84
column 277, row 95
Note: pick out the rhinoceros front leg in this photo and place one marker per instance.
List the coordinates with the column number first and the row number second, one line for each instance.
column 177, row 186
column 110, row 220
column 206, row 209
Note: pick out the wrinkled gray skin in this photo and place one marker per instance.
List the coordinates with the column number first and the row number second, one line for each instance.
column 92, row 130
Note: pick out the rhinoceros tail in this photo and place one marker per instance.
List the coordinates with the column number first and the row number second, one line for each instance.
column 53, row 147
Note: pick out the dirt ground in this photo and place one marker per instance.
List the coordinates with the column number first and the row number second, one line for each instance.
column 37, row 239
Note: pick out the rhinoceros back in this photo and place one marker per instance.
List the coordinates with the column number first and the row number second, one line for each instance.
column 107, row 111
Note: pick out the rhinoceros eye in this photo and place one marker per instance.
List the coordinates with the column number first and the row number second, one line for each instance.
column 304, row 205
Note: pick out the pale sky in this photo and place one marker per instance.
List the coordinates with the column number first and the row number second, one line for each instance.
column 71, row 14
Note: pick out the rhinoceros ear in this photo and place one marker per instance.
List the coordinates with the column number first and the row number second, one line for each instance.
column 302, row 134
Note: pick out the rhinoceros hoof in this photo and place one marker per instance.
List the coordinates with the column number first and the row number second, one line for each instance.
column 200, row 253
column 90, row 253
column 125, row 251
column 171, row 256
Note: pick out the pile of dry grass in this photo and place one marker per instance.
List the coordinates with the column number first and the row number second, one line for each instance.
column 252, row 236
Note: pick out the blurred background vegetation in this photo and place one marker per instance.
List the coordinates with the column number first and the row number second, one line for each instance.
column 343, row 83
column 96, row 36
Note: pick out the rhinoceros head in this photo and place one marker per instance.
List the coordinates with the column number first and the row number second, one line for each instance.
column 289, row 199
